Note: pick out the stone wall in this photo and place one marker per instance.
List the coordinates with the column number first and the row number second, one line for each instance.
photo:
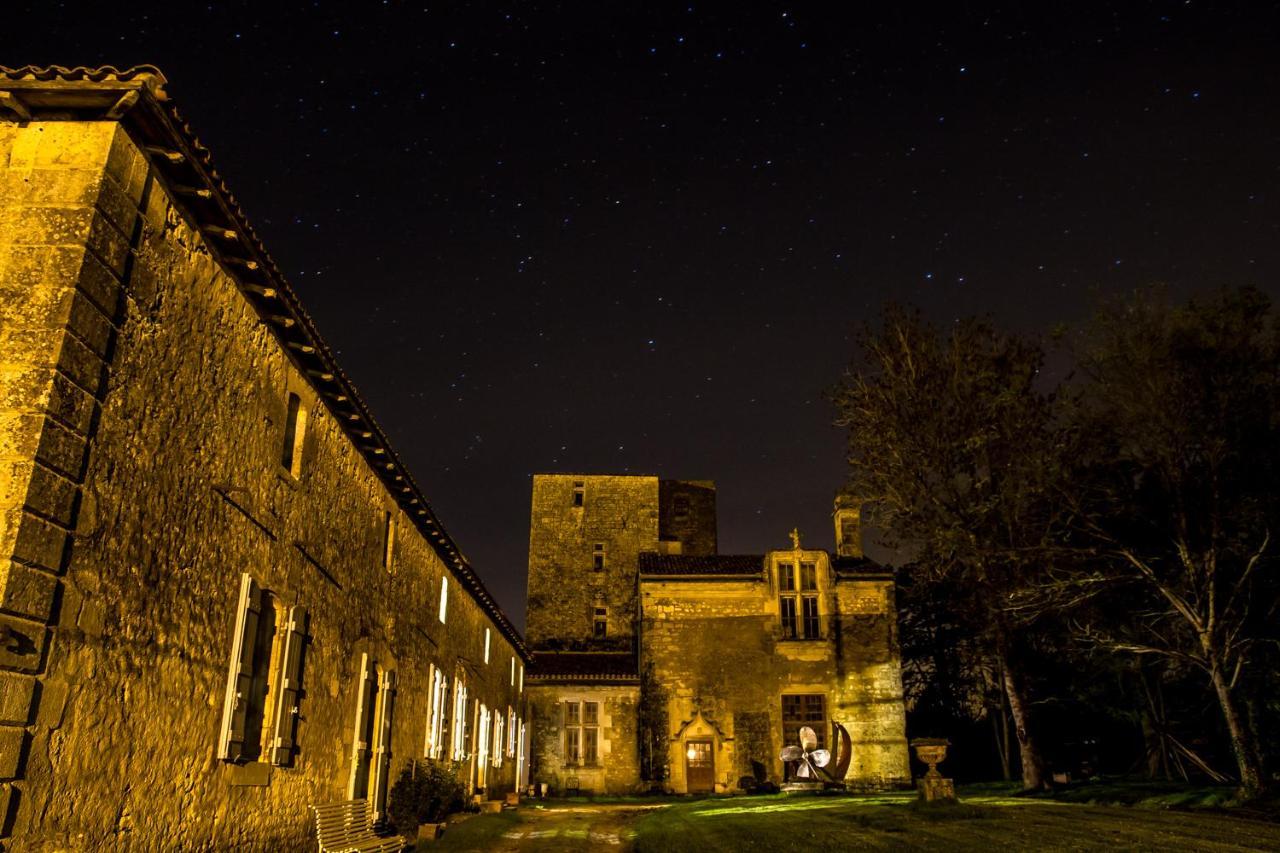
column 715, row 645
column 619, row 512
column 142, row 409
column 618, row 771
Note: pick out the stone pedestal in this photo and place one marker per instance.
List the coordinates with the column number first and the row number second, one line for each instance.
column 802, row 787
column 936, row 789
column 932, row 786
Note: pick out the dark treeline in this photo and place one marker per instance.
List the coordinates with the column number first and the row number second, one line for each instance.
column 1092, row 582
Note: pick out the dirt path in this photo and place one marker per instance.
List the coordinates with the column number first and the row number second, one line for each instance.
column 585, row 827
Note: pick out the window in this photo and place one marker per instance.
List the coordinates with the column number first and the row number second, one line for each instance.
column 582, row 734
column 458, row 728
column 798, row 602
column 295, row 426
column 680, row 507
column 521, row 678
column 486, row 645
column 436, row 713
column 444, row 597
column 579, row 493
column 800, row 710
column 264, row 678
column 600, row 627
column 388, row 539
column 597, row 557
column 371, row 738
column 513, row 670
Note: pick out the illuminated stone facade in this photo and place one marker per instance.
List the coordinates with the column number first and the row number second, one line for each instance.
column 724, row 656
column 187, row 476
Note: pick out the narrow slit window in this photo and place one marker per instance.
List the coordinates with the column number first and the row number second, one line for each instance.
column 295, row 426
column 486, row 645
column 388, row 539
column 444, row 598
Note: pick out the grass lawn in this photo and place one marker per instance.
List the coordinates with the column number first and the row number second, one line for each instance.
column 990, row 819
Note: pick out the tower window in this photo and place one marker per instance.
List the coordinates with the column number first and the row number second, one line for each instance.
column 600, row 625
column 597, row 557
column 579, row 492
column 295, row 426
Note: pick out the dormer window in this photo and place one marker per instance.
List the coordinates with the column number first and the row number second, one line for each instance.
column 798, row 601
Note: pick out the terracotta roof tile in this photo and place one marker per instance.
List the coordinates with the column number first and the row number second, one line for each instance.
column 701, row 564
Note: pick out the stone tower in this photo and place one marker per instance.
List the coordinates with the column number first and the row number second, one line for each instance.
column 586, row 533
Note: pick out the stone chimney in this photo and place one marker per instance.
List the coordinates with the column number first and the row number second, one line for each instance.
column 848, row 519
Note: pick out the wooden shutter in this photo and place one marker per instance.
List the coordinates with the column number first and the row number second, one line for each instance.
column 382, row 751
column 286, row 717
column 360, row 746
column 240, row 672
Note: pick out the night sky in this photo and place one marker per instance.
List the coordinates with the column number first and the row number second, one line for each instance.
column 605, row 238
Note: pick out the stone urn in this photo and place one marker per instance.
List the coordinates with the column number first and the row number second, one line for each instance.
column 932, row 786
column 931, row 751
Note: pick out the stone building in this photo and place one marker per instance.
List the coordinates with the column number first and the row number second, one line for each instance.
column 222, row 595
column 660, row 662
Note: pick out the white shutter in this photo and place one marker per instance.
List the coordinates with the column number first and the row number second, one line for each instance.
column 286, row 716
column 357, row 786
column 428, row 743
column 382, row 752
column 240, row 672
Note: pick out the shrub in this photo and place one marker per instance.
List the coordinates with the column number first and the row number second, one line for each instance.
column 426, row 792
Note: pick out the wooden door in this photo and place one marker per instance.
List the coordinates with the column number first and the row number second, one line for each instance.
column 699, row 767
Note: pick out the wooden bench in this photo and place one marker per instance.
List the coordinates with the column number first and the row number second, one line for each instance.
column 346, row 827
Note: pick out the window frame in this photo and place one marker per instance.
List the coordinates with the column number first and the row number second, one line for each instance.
column 578, row 732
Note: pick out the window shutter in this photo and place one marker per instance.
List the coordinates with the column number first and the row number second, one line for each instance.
column 290, row 686
column 364, row 707
column 240, row 671
column 382, row 752
column 428, row 742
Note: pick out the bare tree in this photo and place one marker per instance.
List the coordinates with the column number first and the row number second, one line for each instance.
column 1181, row 407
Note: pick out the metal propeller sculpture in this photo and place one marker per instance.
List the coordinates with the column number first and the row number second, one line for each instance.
column 814, row 762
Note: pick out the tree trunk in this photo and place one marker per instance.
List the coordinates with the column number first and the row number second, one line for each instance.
column 1000, row 727
column 1000, row 731
column 1033, row 770
column 1251, row 780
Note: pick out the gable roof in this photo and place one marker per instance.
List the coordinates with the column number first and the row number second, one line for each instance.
column 136, row 97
